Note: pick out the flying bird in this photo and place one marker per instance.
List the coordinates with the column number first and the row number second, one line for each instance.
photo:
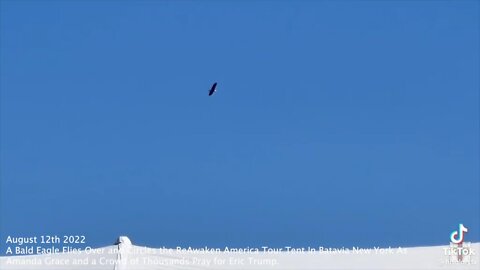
column 213, row 89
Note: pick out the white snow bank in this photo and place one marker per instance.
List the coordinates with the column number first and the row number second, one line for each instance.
column 127, row 256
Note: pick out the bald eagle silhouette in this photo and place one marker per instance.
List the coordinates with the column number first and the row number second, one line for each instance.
column 212, row 90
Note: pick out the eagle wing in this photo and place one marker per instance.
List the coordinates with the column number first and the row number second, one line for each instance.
column 212, row 90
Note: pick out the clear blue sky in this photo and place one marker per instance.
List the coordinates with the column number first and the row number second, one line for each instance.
column 335, row 123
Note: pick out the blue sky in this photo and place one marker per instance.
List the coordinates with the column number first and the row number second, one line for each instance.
column 335, row 123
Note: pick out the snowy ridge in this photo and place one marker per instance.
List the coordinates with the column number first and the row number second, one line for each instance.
column 124, row 255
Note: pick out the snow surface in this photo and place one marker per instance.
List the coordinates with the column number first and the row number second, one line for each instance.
column 124, row 255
